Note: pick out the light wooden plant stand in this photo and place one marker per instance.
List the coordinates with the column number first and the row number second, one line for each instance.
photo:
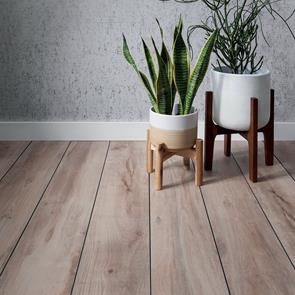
column 194, row 153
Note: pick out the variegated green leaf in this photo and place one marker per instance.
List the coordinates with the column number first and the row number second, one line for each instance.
column 169, row 66
column 199, row 71
column 141, row 75
column 155, row 47
column 181, row 68
column 173, row 93
column 150, row 92
column 163, row 94
column 128, row 55
column 161, row 30
column 177, row 29
column 150, row 64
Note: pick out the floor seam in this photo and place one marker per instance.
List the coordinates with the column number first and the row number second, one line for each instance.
column 150, row 234
column 264, row 213
column 90, row 218
column 214, row 239
column 287, row 171
column 13, row 164
column 36, row 207
column 213, row 235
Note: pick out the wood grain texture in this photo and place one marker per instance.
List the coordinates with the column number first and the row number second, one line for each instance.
column 183, row 254
column 253, row 259
column 275, row 192
column 115, row 258
column 9, row 152
column 46, row 257
column 285, row 151
column 22, row 188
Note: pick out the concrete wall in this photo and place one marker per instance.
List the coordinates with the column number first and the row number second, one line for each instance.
column 60, row 60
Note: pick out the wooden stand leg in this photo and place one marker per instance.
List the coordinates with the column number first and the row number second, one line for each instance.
column 268, row 132
column 186, row 162
column 252, row 140
column 227, row 145
column 199, row 163
column 209, row 132
column 212, row 130
column 159, row 167
column 149, row 151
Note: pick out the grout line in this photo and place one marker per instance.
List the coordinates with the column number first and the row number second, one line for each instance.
column 12, row 165
column 264, row 213
column 90, row 218
column 213, row 235
column 19, row 238
column 150, row 233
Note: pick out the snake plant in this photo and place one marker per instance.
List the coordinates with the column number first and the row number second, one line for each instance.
column 173, row 74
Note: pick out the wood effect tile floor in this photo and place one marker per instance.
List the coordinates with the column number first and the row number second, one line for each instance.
column 83, row 218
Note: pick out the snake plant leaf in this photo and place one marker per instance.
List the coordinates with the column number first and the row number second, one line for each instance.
column 169, row 68
column 162, row 90
column 169, row 65
column 173, row 91
column 180, row 25
column 168, row 62
column 150, row 92
column 177, row 29
column 155, row 47
column 164, row 52
column 163, row 93
column 199, row 71
column 181, row 68
column 150, row 63
column 128, row 55
column 170, row 72
column 142, row 76
column 161, row 30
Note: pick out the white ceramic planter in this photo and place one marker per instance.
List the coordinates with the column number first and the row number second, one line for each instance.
column 232, row 94
column 175, row 131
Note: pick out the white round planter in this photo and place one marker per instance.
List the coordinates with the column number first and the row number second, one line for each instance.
column 232, row 94
column 175, row 131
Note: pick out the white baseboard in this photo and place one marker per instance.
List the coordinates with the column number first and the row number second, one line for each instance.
column 81, row 131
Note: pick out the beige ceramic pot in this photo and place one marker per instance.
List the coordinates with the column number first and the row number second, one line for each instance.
column 175, row 131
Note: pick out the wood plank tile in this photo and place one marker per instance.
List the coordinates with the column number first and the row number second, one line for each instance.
column 285, row 151
column 275, row 192
column 115, row 258
column 46, row 257
column 22, row 188
column 253, row 259
column 184, row 257
column 9, row 152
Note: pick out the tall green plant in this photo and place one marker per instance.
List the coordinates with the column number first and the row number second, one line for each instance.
column 238, row 22
column 172, row 74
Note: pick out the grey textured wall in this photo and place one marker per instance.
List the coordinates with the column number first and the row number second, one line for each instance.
column 61, row 59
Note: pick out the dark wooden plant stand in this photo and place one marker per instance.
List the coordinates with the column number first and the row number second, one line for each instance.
column 212, row 130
